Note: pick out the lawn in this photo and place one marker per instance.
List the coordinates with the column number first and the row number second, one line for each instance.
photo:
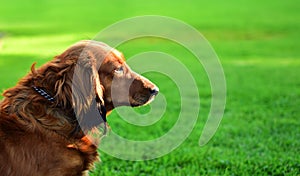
column 258, row 46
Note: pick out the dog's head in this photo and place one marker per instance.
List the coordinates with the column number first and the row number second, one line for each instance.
column 91, row 73
column 121, row 85
column 114, row 82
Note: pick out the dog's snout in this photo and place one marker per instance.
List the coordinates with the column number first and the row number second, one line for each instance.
column 154, row 91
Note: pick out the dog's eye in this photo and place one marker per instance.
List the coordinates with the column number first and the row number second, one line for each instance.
column 119, row 71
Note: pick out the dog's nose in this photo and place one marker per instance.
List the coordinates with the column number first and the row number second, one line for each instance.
column 154, row 91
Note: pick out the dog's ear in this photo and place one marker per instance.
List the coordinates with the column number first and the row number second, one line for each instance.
column 80, row 88
column 86, row 84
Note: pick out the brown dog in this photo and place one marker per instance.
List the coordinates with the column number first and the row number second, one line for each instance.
column 44, row 118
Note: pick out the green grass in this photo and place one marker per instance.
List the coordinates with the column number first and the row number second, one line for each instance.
column 258, row 45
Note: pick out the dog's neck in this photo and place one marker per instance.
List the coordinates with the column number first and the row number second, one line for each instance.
column 101, row 108
column 33, row 110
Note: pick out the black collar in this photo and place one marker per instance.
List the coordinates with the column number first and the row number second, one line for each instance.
column 44, row 94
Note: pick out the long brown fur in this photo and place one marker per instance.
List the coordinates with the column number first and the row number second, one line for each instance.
column 39, row 137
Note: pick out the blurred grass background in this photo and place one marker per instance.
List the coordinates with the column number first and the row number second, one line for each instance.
column 258, row 45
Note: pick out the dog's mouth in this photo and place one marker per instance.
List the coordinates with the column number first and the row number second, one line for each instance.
column 141, row 100
column 133, row 100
